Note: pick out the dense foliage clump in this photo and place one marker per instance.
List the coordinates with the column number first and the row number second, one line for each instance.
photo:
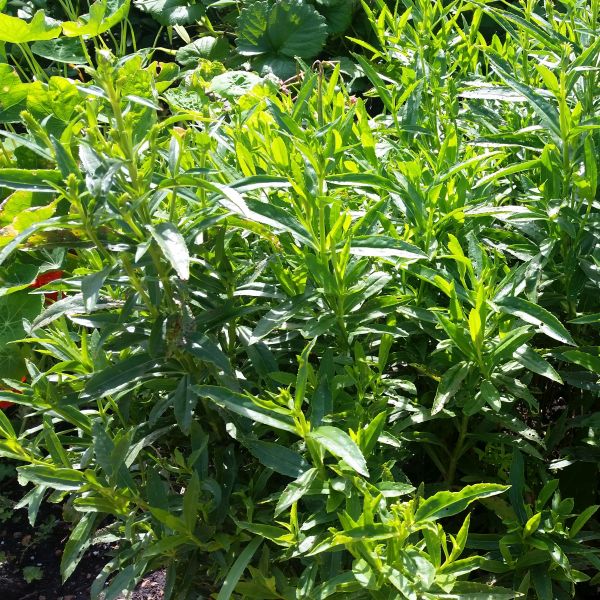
column 301, row 331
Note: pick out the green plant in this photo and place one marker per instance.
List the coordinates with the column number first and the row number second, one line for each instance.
column 6, row 508
column 32, row 573
column 298, row 333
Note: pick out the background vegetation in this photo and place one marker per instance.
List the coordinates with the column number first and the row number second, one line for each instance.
column 306, row 331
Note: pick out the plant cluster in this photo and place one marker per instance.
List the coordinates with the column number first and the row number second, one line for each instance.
column 266, row 34
column 290, row 342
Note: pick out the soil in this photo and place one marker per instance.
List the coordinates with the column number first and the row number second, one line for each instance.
column 36, row 551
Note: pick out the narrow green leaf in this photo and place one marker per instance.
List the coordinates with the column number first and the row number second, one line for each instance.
column 238, row 568
column 517, row 486
column 78, row 542
column 243, row 405
column 536, row 315
column 91, row 286
column 184, row 400
column 201, row 346
column 446, row 504
column 532, row 524
column 53, row 443
column 277, row 457
column 546, row 111
column 271, row 532
column 460, row 541
column 542, row 583
column 341, row 445
column 295, row 490
column 382, row 246
column 6, row 427
column 531, row 360
column 449, row 385
column 70, row 305
column 190, row 501
column 302, row 376
column 36, row 180
column 126, row 374
column 582, row 519
column 174, row 248
column 279, row 315
column 56, row 478
column 583, row 359
column 470, row 590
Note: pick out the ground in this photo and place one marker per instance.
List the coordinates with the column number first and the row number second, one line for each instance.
column 33, row 554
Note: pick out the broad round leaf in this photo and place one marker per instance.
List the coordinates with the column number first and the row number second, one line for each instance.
column 234, row 83
column 13, row 94
column 337, row 13
column 64, row 50
column 280, row 66
column 19, row 31
column 207, row 47
column 102, row 16
column 13, row 309
column 171, row 12
column 290, row 28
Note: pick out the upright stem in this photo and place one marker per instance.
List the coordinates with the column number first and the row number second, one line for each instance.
column 458, row 450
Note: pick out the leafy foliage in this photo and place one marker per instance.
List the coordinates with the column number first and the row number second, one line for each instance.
column 172, row 12
column 280, row 31
column 309, row 344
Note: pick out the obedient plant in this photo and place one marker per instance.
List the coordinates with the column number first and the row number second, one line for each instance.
column 305, row 344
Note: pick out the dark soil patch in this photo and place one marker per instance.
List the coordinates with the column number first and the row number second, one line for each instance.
column 35, row 552
column 151, row 588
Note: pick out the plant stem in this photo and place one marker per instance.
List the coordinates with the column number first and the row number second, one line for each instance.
column 458, row 450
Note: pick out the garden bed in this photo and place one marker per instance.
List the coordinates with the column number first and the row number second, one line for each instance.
column 299, row 299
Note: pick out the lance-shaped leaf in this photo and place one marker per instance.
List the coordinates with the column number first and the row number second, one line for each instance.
column 277, row 457
column 295, row 490
column 585, row 360
column 78, row 542
column 446, row 504
column 238, row 568
column 536, row 315
column 57, row 478
column 36, row 180
column 546, row 111
column 341, row 445
column 243, row 405
column 385, row 246
column 174, row 248
column 126, row 374
column 531, row 360
column 449, row 385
